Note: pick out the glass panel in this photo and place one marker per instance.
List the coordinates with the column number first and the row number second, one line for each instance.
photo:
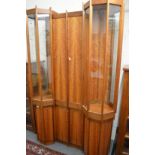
column 114, row 15
column 96, row 59
column 33, row 54
column 86, row 49
column 45, row 54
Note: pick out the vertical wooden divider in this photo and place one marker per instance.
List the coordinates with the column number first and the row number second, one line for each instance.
column 52, row 62
column 39, row 71
column 29, row 74
column 67, row 54
column 90, row 48
column 119, row 55
column 29, row 58
column 105, row 60
column 38, row 53
column 52, row 52
column 90, row 33
column 82, row 59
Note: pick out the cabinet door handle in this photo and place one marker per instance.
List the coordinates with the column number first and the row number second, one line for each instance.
column 37, row 106
column 69, row 58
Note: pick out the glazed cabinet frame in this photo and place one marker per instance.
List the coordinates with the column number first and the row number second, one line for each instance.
column 41, row 105
column 99, row 117
column 90, row 5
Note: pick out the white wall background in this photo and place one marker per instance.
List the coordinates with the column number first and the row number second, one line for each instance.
column 57, row 5
column 75, row 5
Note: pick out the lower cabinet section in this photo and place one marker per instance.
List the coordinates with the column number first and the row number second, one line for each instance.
column 61, row 124
column 73, row 127
column 97, row 137
column 76, row 127
column 44, row 124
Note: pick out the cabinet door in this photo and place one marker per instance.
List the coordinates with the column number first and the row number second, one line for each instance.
column 44, row 123
column 39, row 124
column 75, row 79
column 60, row 60
column 76, row 127
column 48, row 124
column 75, row 59
column 61, row 124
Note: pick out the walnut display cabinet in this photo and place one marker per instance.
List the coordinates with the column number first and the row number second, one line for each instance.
column 40, row 72
column 73, row 65
column 102, row 42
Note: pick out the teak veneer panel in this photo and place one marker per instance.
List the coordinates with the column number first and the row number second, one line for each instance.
column 97, row 137
column 105, row 137
column 76, row 127
column 48, row 124
column 60, row 59
column 39, row 128
column 44, row 123
column 61, row 124
column 75, row 59
column 93, row 143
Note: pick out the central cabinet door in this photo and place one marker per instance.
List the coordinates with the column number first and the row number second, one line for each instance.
column 67, row 47
column 75, row 78
column 60, row 80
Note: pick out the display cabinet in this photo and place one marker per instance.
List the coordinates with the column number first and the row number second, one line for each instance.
column 102, row 41
column 40, row 71
column 73, row 62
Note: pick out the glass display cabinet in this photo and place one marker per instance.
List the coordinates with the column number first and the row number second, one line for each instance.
column 102, row 37
column 73, row 65
column 40, row 71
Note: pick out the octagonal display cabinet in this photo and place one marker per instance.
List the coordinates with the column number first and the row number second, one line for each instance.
column 102, row 42
column 40, row 72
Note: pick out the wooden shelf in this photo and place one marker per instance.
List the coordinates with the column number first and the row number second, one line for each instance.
column 96, row 108
column 95, row 111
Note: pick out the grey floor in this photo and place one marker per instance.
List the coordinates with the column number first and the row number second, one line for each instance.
column 68, row 150
column 56, row 146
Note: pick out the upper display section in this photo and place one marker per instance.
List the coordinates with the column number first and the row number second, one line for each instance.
column 40, row 54
column 102, row 27
column 101, row 2
column 45, row 53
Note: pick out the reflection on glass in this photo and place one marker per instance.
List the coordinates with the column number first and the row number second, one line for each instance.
column 33, row 54
column 96, row 58
column 45, row 56
column 86, row 49
column 114, row 15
